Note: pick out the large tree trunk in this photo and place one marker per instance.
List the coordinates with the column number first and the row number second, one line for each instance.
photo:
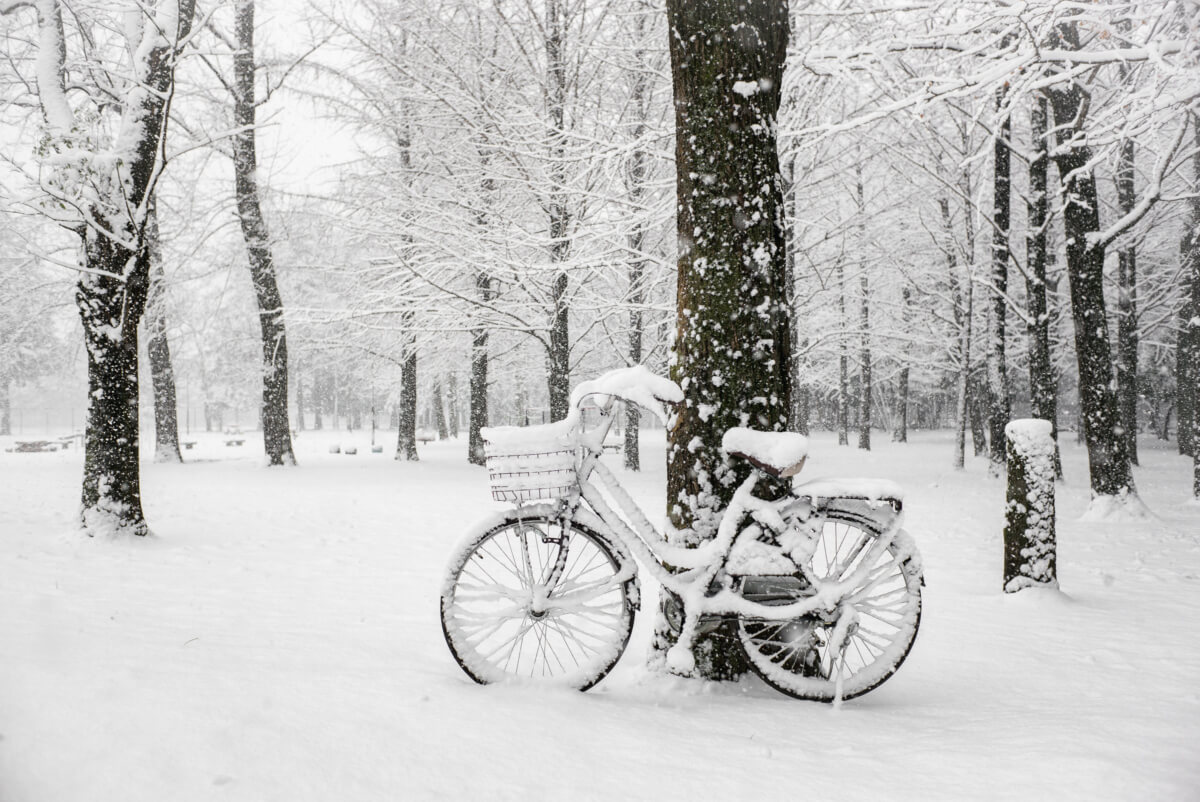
column 1108, row 455
column 112, row 290
column 162, row 373
column 1043, row 390
column 731, row 347
column 1191, row 257
column 997, row 368
column 110, row 299
column 277, row 434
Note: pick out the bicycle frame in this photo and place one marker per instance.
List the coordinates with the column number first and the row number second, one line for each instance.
column 691, row 573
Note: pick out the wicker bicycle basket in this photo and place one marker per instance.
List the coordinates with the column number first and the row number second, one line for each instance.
column 544, row 472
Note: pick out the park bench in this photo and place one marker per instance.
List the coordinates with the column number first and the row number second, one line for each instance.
column 34, row 446
column 235, row 441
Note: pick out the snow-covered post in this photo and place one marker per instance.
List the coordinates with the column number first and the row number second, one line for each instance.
column 1029, row 545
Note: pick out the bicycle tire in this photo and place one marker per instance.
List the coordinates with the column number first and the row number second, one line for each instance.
column 493, row 626
column 794, row 657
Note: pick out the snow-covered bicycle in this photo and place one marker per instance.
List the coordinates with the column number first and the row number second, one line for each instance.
column 824, row 585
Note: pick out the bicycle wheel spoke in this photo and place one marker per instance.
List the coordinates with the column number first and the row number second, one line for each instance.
column 798, row 656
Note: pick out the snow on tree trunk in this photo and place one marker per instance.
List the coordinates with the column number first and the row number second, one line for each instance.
column 1029, row 541
column 997, row 369
column 731, row 346
column 1108, row 456
column 162, row 373
column 277, row 434
column 1043, row 390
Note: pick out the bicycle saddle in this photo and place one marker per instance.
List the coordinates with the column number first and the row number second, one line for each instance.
column 781, row 454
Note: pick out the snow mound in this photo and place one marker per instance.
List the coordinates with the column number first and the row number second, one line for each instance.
column 1110, row 508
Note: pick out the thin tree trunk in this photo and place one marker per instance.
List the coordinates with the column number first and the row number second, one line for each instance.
column 406, row 437
column 1108, row 456
column 5, row 404
column 979, row 433
column 558, row 357
column 864, row 323
column 277, row 434
column 162, row 374
column 1127, row 327
column 439, row 412
column 843, row 397
column 636, row 182
column 452, row 404
column 726, row 102
column 999, row 411
column 800, row 393
column 479, row 379
column 962, row 300
column 1043, row 390
column 299, row 398
column 900, row 432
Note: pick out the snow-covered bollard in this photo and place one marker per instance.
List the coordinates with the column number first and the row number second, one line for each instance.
column 1029, row 548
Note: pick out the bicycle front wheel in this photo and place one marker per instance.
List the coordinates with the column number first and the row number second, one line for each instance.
column 527, row 599
column 798, row 656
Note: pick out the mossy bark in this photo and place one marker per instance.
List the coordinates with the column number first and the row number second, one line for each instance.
column 731, row 350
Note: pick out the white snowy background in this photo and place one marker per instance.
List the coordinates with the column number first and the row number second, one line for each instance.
column 278, row 639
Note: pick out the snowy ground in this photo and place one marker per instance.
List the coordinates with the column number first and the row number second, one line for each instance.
column 278, row 639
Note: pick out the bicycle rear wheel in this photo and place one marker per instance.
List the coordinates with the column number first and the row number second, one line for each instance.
column 797, row 656
column 507, row 618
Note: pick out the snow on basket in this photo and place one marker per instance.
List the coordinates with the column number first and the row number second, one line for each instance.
column 530, row 463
